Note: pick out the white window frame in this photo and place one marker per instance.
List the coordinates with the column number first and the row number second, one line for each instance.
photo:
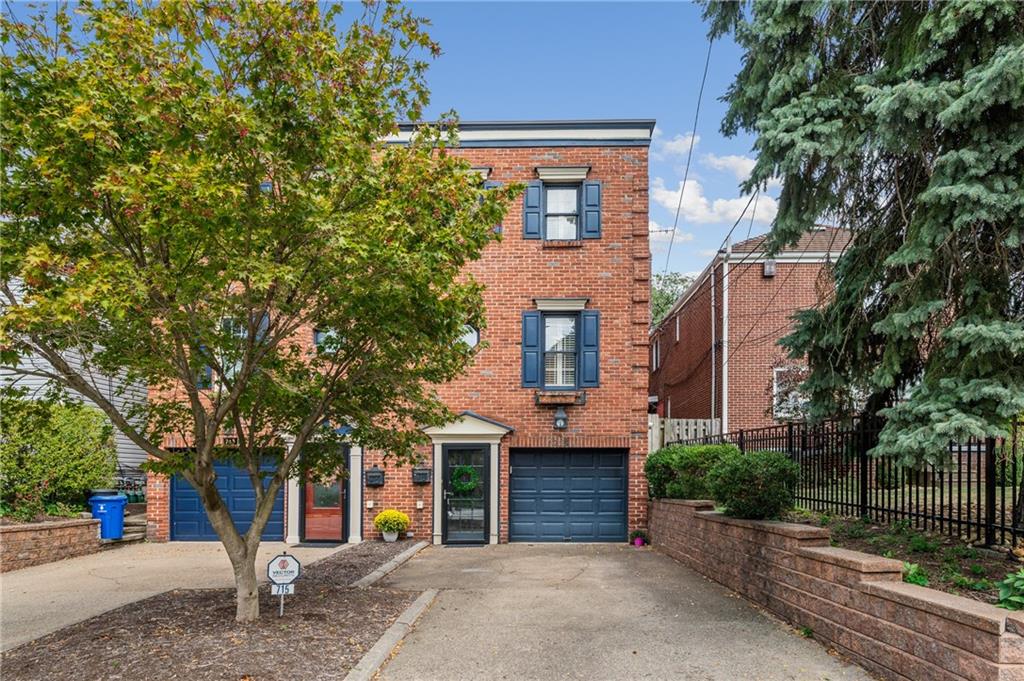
column 656, row 354
column 575, row 318
column 792, row 409
column 578, row 187
column 677, row 328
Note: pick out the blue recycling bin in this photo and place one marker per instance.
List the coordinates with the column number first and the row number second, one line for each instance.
column 109, row 509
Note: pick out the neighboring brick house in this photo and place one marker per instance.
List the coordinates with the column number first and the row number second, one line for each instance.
column 551, row 438
column 715, row 355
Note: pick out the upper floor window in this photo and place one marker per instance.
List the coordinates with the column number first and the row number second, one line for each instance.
column 559, row 351
column 561, row 213
column 470, row 335
column 656, row 353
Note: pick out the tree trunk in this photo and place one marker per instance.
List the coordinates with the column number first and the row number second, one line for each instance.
column 241, row 553
column 247, row 596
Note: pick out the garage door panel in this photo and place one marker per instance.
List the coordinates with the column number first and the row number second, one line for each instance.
column 189, row 521
column 567, row 495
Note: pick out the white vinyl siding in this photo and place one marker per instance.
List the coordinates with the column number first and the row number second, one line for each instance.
column 129, row 455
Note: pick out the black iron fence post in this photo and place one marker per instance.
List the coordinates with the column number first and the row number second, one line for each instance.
column 739, row 441
column 789, row 441
column 990, row 491
column 862, row 468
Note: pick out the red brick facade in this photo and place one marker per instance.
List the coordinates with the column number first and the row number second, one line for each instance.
column 611, row 272
column 722, row 364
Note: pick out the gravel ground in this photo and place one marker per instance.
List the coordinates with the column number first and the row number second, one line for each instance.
column 191, row 634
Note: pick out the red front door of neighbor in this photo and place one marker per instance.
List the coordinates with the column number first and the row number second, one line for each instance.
column 324, row 511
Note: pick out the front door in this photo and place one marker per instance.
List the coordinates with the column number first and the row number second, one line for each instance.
column 324, row 511
column 466, row 486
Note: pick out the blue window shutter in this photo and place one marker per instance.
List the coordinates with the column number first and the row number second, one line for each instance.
column 531, row 349
column 204, row 380
column 491, row 184
column 591, row 210
column 590, row 361
column 263, row 327
column 533, row 209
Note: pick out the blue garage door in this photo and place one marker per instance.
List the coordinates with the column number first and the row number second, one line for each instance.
column 188, row 518
column 567, row 495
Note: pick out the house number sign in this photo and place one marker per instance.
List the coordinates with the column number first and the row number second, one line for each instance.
column 282, row 571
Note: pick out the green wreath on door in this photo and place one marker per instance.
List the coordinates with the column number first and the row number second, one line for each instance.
column 464, row 480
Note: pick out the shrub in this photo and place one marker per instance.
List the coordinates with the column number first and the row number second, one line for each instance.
column 914, row 574
column 757, row 485
column 1011, row 591
column 390, row 520
column 680, row 471
column 51, row 455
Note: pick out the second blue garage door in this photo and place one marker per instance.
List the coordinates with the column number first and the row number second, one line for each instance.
column 567, row 495
column 188, row 517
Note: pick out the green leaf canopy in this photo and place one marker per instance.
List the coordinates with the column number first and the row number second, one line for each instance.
column 903, row 121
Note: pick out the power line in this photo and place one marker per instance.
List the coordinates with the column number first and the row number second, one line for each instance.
column 689, row 155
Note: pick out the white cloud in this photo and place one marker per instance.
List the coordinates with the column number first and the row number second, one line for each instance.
column 707, row 252
column 698, row 208
column 661, row 236
column 676, row 146
column 739, row 166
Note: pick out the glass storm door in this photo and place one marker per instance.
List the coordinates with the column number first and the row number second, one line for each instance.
column 324, row 511
column 466, row 487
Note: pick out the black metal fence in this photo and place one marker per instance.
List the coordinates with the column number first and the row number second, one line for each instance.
column 976, row 494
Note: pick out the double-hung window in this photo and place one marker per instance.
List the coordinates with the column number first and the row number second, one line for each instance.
column 561, row 212
column 559, row 351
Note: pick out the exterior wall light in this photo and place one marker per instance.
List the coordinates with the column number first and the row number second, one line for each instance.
column 561, row 419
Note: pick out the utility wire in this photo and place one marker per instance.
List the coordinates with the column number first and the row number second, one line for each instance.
column 689, row 156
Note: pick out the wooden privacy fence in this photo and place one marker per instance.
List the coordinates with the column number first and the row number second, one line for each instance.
column 661, row 430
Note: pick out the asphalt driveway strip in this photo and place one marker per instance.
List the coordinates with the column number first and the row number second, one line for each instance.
column 326, row 628
column 591, row 611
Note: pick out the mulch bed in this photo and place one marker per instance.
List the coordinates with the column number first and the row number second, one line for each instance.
column 191, row 634
column 950, row 564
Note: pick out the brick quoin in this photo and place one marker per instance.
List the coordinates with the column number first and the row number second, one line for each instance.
column 613, row 272
column 760, row 313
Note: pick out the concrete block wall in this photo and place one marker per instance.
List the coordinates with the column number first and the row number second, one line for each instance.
column 852, row 601
column 23, row 546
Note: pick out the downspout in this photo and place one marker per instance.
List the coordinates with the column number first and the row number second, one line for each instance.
column 725, row 337
column 713, row 386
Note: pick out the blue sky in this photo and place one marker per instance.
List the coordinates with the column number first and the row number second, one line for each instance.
column 586, row 60
column 542, row 60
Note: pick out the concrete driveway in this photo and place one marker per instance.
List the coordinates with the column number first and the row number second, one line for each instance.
column 591, row 611
column 39, row 600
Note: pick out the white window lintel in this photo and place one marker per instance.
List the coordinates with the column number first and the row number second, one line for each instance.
column 561, row 304
column 562, row 173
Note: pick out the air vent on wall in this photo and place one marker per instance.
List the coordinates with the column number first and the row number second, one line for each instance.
column 768, row 268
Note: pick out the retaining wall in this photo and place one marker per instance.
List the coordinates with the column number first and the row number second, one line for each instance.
column 852, row 601
column 30, row 544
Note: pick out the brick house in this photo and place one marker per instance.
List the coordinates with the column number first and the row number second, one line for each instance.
column 551, row 438
column 716, row 356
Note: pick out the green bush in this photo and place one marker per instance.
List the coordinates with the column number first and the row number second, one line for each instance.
column 755, row 485
column 1011, row 591
column 51, row 455
column 680, row 471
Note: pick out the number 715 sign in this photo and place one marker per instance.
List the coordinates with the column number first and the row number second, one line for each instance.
column 282, row 571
